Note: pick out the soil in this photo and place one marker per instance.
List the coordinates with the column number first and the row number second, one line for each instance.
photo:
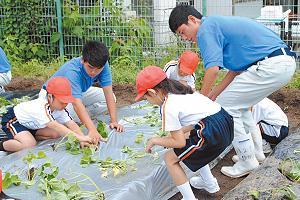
column 287, row 99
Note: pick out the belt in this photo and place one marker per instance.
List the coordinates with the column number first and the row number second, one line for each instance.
column 278, row 52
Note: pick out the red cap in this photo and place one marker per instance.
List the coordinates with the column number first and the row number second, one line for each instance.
column 60, row 88
column 188, row 62
column 148, row 78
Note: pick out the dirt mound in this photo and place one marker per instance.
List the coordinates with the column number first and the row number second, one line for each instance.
column 20, row 83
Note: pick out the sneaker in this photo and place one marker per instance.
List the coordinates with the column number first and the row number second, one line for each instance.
column 199, row 183
column 266, row 146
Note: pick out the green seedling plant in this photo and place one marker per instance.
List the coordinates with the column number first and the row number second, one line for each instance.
column 139, row 138
column 4, row 102
column 62, row 188
column 31, row 171
column 152, row 119
column 55, row 146
column 133, row 154
column 291, row 169
column 72, row 144
column 297, row 150
column 10, row 179
column 88, row 156
column 285, row 192
column 115, row 167
column 161, row 133
column 16, row 101
column 101, row 128
column 146, row 106
column 97, row 194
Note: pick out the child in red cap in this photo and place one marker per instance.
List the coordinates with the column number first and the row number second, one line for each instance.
column 199, row 129
column 48, row 115
column 182, row 70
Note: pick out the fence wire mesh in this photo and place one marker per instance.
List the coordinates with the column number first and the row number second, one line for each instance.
column 135, row 31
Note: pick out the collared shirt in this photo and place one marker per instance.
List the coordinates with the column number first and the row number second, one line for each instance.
column 171, row 69
column 235, row 43
column 79, row 79
column 182, row 110
column 36, row 114
column 4, row 63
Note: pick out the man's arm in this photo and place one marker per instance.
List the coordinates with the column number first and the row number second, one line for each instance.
column 224, row 83
column 112, row 108
column 209, row 80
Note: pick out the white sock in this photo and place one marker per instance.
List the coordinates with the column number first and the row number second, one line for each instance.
column 186, row 191
column 206, row 174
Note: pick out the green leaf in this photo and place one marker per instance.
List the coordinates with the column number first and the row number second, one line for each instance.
column 54, row 37
column 78, row 31
column 101, row 128
column 254, row 193
column 10, row 179
column 41, row 155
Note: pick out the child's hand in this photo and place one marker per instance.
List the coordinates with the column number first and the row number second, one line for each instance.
column 95, row 136
column 84, row 138
column 84, row 144
column 117, row 126
column 149, row 145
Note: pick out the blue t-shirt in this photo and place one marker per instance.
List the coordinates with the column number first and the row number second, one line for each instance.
column 4, row 63
column 79, row 79
column 235, row 43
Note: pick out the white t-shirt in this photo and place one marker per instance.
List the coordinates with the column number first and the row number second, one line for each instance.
column 171, row 69
column 268, row 111
column 183, row 110
column 36, row 114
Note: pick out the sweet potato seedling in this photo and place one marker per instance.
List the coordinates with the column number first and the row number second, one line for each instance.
column 101, row 128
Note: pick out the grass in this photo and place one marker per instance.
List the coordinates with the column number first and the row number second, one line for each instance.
column 295, row 82
column 35, row 68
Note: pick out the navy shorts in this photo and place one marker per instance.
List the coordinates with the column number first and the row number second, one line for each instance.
column 284, row 131
column 11, row 126
column 207, row 141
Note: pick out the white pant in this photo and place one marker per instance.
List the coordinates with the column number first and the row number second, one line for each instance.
column 252, row 86
column 94, row 101
column 5, row 78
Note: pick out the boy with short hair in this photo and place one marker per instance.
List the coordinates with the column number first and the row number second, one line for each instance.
column 47, row 114
column 5, row 71
column 183, row 69
column 82, row 72
column 259, row 63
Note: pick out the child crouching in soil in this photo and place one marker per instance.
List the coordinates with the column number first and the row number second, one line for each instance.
column 182, row 70
column 208, row 127
column 43, row 115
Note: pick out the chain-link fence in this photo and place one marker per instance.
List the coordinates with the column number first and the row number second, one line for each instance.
column 136, row 31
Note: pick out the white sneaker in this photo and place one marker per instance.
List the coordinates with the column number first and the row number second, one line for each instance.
column 266, row 146
column 199, row 183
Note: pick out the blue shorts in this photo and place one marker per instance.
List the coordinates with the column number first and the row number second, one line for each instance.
column 207, row 141
column 284, row 131
column 11, row 126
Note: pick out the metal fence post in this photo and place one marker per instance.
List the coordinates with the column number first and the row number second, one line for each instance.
column 59, row 27
column 204, row 7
